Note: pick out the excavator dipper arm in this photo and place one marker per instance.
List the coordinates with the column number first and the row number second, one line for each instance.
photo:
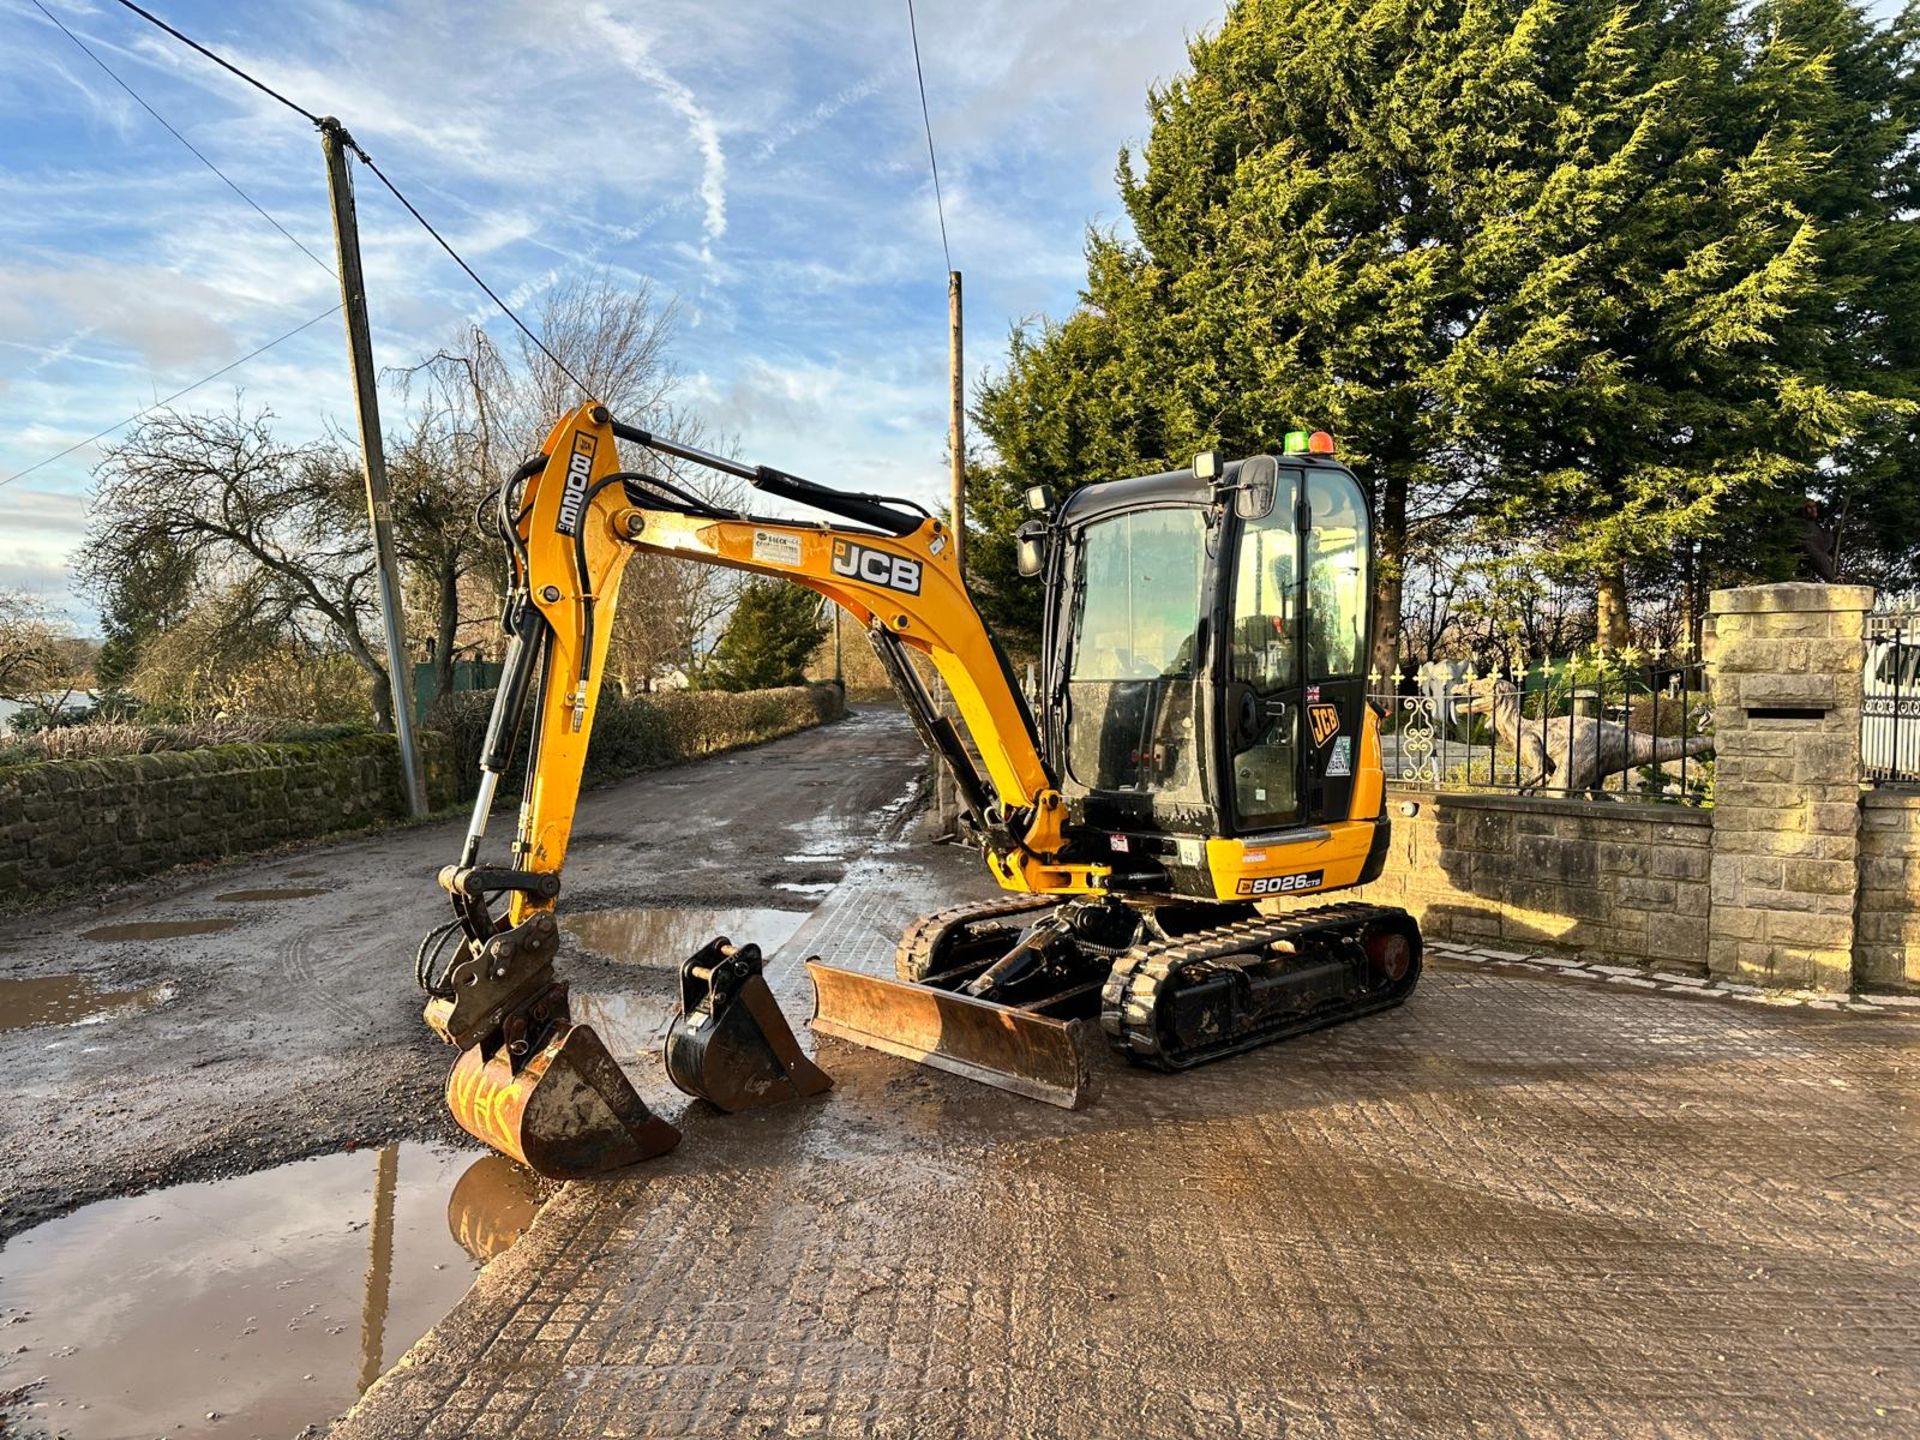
column 531, row 1082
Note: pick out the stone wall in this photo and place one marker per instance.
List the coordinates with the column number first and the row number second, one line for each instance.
column 1794, row 879
column 89, row 821
column 1627, row 883
column 1786, row 663
column 1886, row 947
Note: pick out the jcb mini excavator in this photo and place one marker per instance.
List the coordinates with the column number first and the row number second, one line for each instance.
column 1204, row 756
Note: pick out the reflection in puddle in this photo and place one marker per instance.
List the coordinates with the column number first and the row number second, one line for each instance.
column 70, row 1000
column 804, row 887
column 492, row 1205
column 160, row 929
column 272, row 1300
column 291, row 892
column 656, row 936
column 634, row 1027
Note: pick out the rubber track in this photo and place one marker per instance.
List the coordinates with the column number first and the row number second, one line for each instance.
column 1130, row 1000
column 912, row 958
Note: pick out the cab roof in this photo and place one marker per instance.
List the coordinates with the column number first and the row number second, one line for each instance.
column 1170, row 487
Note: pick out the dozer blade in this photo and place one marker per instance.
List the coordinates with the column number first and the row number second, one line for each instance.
column 730, row 1045
column 1030, row 1054
column 569, row 1113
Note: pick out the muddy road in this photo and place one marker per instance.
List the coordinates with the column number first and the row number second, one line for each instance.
column 221, row 1021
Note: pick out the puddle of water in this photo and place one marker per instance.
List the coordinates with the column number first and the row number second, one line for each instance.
column 291, row 892
column 801, row 887
column 634, row 1027
column 656, row 936
column 69, row 1000
column 160, row 929
column 272, row 1300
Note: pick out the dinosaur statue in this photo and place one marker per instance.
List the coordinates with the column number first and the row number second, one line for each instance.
column 1576, row 752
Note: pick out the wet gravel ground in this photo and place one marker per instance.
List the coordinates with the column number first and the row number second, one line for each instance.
column 296, row 1029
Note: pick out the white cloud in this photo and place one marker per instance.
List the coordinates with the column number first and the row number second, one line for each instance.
column 765, row 164
column 635, row 51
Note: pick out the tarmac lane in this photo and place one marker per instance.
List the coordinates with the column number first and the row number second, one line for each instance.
column 217, row 1021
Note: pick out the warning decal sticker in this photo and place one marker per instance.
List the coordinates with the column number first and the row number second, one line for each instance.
column 772, row 548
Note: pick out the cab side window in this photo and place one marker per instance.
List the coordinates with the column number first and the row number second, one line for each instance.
column 1336, row 578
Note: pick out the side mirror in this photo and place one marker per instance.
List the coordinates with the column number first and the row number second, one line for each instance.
column 1030, row 548
column 1256, row 486
column 1040, row 498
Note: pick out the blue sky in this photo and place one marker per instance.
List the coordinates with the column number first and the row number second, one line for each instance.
column 763, row 162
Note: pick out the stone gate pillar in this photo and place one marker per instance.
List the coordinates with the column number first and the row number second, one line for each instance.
column 1785, row 663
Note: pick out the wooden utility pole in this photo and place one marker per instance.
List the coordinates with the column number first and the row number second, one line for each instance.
column 957, row 420
column 353, row 303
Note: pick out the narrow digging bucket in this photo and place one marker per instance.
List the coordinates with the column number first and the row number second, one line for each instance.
column 730, row 1045
column 570, row 1111
column 1029, row 1054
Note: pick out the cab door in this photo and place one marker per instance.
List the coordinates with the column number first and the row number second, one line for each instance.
column 1297, row 626
column 1260, row 720
column 1337, row 633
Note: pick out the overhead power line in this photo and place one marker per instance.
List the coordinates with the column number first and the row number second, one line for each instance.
column 141, row 101
column 367, row 160
column 472, row 274
column 188, row 40
column 939, row 205
column 169, row 399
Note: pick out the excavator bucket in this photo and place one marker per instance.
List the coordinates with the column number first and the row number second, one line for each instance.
column 730, row 1045
column 569, row 1112
column 1030, row 1054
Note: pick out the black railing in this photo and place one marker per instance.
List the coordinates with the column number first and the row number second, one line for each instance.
column 1629, row 726
column 1890, row 708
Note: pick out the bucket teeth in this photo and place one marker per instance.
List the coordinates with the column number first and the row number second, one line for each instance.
column 568, row 1113
column 730, row 1045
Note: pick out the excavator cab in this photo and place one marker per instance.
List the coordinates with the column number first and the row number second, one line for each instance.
column 1203, row 713
column 1205, row 649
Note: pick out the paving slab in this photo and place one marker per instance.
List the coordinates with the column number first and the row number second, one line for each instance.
column 1520, row 1205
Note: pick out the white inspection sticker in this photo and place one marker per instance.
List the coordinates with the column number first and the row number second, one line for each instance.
column 1340, row 758
column 775, row 548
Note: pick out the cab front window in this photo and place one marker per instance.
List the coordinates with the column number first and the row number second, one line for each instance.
column 1131, row 667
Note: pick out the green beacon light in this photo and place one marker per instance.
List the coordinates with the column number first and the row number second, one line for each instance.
column 1296, row 442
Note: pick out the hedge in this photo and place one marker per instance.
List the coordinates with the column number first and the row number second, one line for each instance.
column 644, row 732
column 67, row 823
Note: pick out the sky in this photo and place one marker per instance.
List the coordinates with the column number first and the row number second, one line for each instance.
column 762, row 162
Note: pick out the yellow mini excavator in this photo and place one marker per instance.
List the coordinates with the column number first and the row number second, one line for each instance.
column 1203, row 758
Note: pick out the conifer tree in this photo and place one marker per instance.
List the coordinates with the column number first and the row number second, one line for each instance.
column 775, row 626
column 1585, row 268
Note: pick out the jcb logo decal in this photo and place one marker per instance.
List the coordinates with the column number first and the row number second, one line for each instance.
column 1283, row 884
column 876, row 567
column 1325, row 722
column 573, row 497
